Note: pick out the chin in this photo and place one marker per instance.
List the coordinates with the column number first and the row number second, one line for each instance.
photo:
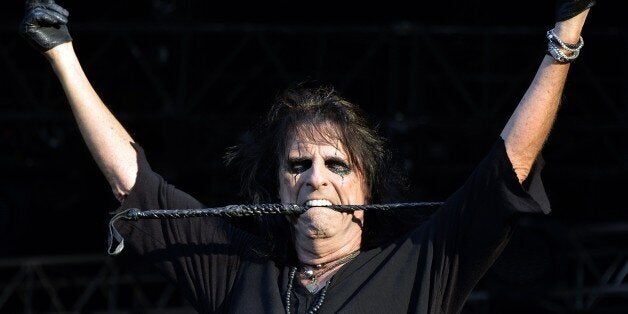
column 318, row 222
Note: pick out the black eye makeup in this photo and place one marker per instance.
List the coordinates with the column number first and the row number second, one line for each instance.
column 298, row 165
column 338, row 166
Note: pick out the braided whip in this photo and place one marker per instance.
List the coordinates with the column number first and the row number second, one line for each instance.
column 243, row 211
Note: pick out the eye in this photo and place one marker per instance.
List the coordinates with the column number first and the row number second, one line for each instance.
column 296, row 166
column 338, row 167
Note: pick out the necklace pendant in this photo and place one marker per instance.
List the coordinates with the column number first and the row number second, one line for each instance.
column 311, row 286
column 309, row 273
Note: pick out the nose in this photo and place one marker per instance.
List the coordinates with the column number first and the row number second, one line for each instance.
column 316, row 177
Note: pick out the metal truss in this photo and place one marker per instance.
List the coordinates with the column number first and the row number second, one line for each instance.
column 450, row 88
column 440, row 95
column 556, row 268
column 83, row 283
column 585, row 271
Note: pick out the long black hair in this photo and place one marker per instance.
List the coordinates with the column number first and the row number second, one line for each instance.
column 259, row 155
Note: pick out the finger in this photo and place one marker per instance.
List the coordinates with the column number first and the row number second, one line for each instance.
column 29, row 4
column 38, row 12
column 62, row 19
column 43, row 17
column 57, row 8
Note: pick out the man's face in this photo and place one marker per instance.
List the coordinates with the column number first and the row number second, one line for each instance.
column 316, row 170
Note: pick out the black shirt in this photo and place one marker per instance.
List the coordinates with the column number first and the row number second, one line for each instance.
column 432, row 269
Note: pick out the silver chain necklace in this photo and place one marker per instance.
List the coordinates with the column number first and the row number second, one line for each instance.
column 308, row 272
column 313, row 272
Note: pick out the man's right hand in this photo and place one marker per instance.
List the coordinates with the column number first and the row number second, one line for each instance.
column 44, row 25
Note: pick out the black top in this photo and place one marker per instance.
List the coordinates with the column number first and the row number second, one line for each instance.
column 432, row 269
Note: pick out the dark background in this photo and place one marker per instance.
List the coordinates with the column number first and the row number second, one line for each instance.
column 187, row 78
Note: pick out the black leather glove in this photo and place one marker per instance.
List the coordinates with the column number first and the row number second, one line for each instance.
column 566, row 9
column 44, row 25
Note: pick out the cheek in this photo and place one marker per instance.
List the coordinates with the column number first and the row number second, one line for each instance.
column 287, row 188
column 357, row 190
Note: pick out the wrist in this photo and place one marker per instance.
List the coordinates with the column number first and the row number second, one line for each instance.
column 60, row 53
column 561, row 51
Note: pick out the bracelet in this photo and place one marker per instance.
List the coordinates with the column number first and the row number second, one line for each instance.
column 556, row 48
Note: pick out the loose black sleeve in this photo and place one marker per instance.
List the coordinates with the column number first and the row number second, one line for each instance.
column 474, row 225
column 201, row 255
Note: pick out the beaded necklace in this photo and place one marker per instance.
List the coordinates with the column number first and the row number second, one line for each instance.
column 319, row 301
column 308, row 272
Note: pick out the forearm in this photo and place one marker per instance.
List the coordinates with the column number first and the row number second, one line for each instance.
column 529, row 126
column 106, row 138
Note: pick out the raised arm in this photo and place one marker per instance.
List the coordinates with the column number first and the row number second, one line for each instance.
column 529, row 126
column 44, row 27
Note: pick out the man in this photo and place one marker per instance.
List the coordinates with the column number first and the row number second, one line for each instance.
column 315, row 149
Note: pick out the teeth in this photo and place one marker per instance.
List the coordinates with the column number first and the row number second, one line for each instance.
column 317, row 203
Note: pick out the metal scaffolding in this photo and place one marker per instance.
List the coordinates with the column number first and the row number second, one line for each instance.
column 586, row 273
column 83, row 283
column 439, row 93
